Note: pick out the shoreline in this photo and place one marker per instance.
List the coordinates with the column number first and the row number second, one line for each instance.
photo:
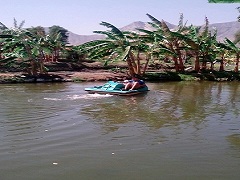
column 62, row 76
column 91, row 75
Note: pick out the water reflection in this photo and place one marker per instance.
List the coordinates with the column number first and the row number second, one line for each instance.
column 168, row 104
column 234, row 139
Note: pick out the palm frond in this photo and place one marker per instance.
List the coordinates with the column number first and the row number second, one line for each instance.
column 15, row 23
column 125, row 54
column 8, row 59
column 146, row 31
column 113, row 28
column 109, row 35
column 231, row 45
column 5, row 36
column 21, row 24
column 156, row 21
column 181, row 24
column 165, row 28
column 155, row 26
column 2, row 26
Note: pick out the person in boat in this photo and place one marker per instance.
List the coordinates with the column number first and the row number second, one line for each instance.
column 134, row 83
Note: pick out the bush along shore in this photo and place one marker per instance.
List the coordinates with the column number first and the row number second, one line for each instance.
column 95, row 71
column 106, row 75
column 24, row 78
column 161, row 54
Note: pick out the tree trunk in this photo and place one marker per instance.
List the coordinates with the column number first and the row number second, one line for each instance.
column 212, row 66
column 138, row 64
column 33, row 64
column 181, row 66
column 204, row 65
column 41, row 62
column 176, row 64
column 221, row 68
column 146, row 64
column 130, row 66
column 133, row 63
column 33, row 69
column 237, row 63
column 179, row 53
column 197, row 64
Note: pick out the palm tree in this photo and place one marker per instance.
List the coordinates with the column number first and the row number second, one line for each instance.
column 235, row 50
column 208, row 45
column 202, row 45
column 169, row 42
column 194, row 42
column 39, row 30
column 57, row 38
column 24, row 48
column 119, row 46
column 222, row 51
column 15, row 24
column 61, row 32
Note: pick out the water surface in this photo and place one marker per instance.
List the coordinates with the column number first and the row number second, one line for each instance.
column 179, row 130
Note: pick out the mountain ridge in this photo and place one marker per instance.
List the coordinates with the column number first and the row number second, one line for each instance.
column 224, row 30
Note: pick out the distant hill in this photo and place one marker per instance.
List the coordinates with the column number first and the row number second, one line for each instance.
column 227, row 29
column 75, row 39
column 142, row 25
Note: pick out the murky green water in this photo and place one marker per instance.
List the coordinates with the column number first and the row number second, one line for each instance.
column 183, row 130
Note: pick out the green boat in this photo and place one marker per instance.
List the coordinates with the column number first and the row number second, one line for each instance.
column 115, row 88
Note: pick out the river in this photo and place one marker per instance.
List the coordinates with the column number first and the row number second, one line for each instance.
column 178, row 130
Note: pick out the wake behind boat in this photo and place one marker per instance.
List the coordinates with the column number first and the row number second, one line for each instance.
column 115, row 88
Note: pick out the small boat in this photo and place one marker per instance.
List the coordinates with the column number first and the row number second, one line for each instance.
column 115, row 88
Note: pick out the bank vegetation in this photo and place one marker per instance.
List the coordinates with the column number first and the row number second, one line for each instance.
column 159, row 54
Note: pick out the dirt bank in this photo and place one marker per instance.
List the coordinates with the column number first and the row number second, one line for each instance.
column 69, row 76
column 91, row 75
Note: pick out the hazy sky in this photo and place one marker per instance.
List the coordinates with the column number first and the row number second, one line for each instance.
column 83, row 16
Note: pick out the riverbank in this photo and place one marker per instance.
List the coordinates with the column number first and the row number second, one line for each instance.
column 106, row 75
column 62, row 76
column 71, row 72
column 68, row 72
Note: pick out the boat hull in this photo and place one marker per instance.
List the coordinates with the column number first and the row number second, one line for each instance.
column 115, row 88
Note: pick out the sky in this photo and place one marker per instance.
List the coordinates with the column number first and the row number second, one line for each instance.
column 83, row 16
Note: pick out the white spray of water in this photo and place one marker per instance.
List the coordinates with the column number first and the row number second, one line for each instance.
column 83, row 96
column 52, row 99
column 89, row 96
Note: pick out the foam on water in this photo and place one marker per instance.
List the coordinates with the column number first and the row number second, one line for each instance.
column 52, row 99
column 83, row 96
column 89, row 96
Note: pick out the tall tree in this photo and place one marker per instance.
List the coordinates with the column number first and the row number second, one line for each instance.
column 63, row 33
column 16, row 25
column 39, row 30
column 168, row 41
column 235, row 50
column 21, row 47
column 119, row 46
